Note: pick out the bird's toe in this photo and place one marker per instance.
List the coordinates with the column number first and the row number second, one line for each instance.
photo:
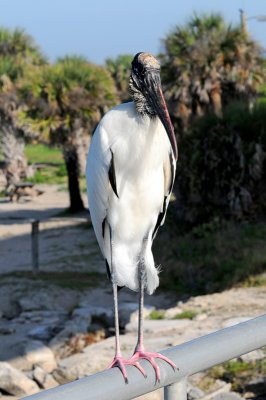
column 149, row 356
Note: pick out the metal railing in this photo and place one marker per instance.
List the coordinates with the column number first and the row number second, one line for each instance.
column 191, row 357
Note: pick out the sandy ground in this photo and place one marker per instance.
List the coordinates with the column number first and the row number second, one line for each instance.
column 70, row 244
column 64, row 243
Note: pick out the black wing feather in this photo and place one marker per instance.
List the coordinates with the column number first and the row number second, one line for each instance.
column 112, row 176
column 163, row 212
column 160, row 218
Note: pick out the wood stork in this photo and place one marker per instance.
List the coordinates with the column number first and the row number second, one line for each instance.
column 130, row 174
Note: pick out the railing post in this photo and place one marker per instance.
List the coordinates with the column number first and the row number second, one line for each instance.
column 176, row 391
column 35, row 246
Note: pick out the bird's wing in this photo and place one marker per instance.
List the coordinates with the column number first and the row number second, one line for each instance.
column 101, row 181
column 169, row 178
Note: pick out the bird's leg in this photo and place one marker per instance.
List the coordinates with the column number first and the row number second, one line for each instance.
column 140, row 345
column 140, row 352
column 118, row 360
column 116, row 319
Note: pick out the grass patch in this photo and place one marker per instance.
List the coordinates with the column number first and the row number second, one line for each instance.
column 208, row 260
column 41, row 153
column 157, row 314
column 254, row 281
column 50, row 175
column 189, row 314
column 238, row 372
column 66, row 279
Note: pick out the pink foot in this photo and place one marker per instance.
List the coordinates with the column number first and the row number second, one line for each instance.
column 146, row 355
column 120, row 362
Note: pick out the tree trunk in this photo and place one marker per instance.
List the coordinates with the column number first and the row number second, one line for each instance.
column 216, row 102
column 13, row 145
column 82, row 143
column 72, row 166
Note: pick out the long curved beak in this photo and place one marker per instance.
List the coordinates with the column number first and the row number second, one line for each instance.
column 153, row 91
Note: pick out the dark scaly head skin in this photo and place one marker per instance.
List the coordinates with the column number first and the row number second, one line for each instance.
column 146, row 91
column 142, row 64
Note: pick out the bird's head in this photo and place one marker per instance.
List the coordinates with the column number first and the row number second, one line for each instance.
column 146, row 91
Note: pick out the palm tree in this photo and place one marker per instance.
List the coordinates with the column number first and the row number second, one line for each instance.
column 17, row 52
column 119, row 69
column 206, row 64
column 65, row 101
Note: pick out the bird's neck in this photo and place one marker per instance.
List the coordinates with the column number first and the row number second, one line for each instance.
column 143, row 107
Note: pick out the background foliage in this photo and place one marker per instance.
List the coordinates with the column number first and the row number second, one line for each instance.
column 214, row 81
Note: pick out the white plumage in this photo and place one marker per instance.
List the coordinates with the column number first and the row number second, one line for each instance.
column 144, row 170
column 130, row 175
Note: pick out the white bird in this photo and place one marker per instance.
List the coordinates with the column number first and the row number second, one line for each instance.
column 130, row 174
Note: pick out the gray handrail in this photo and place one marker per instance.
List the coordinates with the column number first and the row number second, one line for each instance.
column 191, row 357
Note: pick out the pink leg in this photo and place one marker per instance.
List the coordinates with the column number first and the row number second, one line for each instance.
column 118, row 360
column 140, row 353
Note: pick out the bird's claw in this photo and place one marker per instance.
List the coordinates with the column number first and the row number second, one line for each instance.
column 120, row 362
column 149, row 356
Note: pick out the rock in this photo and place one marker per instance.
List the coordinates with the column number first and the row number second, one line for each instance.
column 94, row 358
column 101, row 314
column 253, row 355
column 39, row 354
column 41, row 332
column 15, row 382
column 48, row 300
column 81, row 324
column 9, row 307
column 234, row 321
column 74, row 328
column 221, row 388
column 83, row 312
column 200, row 317
column 4, row 397
column 50, row 322
column 44, row 315
column 34, row 352
column 44, row 380
column 162, row 326
column 71, row 368
column 226, row 396
column 130, row 313
column 38, row 301
column 156, row 395
column 257, row 385
column 126, row 310
column 7, row 330
column 70, row 340
column 195, row 393
column 170, row 313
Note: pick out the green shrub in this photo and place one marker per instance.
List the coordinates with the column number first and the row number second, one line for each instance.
column 157, row 314
column 189, row 314
column 221, row 171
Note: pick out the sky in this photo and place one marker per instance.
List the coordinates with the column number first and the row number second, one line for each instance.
column 98, row 29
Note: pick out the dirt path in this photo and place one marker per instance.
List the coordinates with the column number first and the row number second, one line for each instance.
column 65, row 244
column 70, row 245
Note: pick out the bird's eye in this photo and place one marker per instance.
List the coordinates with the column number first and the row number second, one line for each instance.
column 139, row 71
